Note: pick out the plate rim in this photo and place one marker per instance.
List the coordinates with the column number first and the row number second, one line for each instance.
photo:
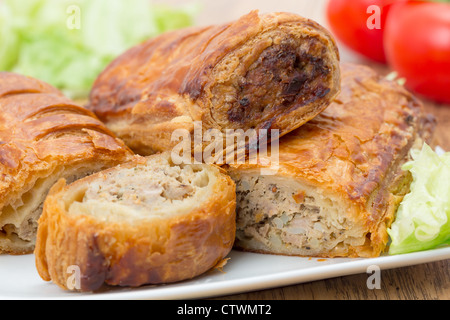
column 187, row 290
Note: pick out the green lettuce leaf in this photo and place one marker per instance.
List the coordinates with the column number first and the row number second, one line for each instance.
column 423, row 217
column 9, row 40
column 67, row 43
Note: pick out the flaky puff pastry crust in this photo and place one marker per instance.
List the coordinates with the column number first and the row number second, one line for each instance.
column 271, row 71
column 353, row 152
column 154, row 250
column 43, row 136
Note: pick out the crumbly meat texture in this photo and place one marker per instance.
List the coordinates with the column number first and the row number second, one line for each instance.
column 285, row 217
column 339, row 178
column 144, row 189
column 271, row 71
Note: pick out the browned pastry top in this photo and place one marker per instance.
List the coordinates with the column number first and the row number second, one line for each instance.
column 142, row 71
column 40, row 127
column 157, row 78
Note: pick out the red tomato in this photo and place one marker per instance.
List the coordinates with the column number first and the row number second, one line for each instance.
column 417, row 46
column 352, row 22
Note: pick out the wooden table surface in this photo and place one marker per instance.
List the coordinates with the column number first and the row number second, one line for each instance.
column 424, row 281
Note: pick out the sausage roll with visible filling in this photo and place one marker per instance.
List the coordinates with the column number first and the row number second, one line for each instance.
column 148, row 221
column 271, row 71
column 339, row 178
column 43, row 137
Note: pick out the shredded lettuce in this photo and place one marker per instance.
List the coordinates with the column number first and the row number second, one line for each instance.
column 67, row 43
column 423, row 217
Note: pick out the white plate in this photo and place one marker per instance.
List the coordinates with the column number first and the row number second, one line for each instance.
column 244, row 272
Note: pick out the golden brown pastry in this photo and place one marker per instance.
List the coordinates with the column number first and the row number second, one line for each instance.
column 145, row 222
column 43, row 137
column 339, row 178
column 271, row 71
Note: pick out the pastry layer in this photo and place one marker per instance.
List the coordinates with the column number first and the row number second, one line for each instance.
column 339, row 180
column 272, row 71
column 43, row 137
column 148, row 221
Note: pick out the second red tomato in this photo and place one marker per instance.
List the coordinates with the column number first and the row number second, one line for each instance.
column 417, row 46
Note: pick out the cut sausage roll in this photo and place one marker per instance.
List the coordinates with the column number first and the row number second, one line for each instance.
column 43, row 137
column 148, row 221
column 339, row 180
column 271, row 71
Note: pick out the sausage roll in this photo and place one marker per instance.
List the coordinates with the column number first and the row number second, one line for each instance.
column 43, row 137
column 148, row 221
column 338, row 182
column 272, row 71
